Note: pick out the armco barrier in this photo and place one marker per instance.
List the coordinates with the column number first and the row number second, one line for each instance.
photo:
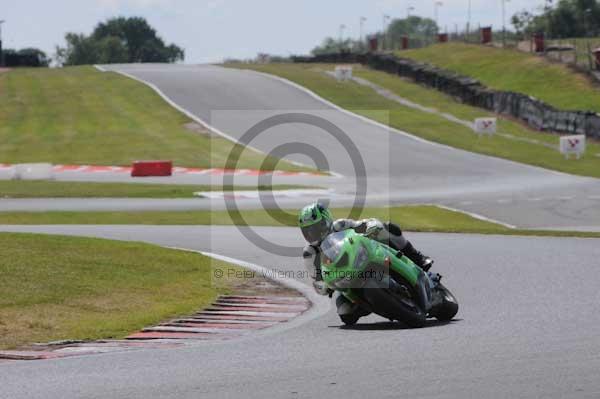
column 152, row 168
column 534, row 112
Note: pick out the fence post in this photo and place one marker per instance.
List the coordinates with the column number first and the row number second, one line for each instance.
column 589, row 54
column 560, row 48
column 531, row 44
column 575, row 52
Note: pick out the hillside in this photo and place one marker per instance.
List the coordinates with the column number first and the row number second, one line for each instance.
column 514, row 141
column 78, row 115
column 511, row 70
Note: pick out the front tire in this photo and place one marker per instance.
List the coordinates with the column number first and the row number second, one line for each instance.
column 446, row 310
column 349, row 319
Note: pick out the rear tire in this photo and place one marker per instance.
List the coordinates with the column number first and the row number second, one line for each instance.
column 386, row 303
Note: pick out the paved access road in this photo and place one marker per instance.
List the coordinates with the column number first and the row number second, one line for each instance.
column 528, row 327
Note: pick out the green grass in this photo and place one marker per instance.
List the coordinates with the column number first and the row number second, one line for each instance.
column 78, row 115
column 511, row 70
column 50, row 189
column 56, row 287
column 421, row 218
column 367, row 102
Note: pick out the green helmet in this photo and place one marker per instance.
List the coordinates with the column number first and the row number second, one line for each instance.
column 315, row 221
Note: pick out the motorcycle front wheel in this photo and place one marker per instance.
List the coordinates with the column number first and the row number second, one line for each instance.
column 448, row 308
column 349, row 319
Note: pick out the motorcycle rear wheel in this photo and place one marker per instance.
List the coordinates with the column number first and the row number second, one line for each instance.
column 389, row 304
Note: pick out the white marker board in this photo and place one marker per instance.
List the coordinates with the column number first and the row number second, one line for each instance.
column 343, row 72
column 485, row 126
column 572, row 145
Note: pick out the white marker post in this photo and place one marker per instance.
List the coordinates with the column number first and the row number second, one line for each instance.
column 343, row 72
column 485, row 126
column 572, row 145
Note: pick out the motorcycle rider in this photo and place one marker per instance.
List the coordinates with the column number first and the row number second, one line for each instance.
column 316, row 223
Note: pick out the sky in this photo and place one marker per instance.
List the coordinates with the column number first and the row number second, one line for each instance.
column 211, row 30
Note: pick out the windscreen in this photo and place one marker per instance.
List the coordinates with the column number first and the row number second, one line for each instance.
column 332, row 245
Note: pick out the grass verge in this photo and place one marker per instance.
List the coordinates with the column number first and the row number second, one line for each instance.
column 512, row 70
column 78, row 115
column 364, row 101
column 56, row 287
column 420, row 218
column 54, row 189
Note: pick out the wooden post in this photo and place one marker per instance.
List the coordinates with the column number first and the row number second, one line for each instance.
column 531, row 44
column 589, row 54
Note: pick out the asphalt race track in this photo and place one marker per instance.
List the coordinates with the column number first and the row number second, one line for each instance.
column 526, row 328
column 400, row 168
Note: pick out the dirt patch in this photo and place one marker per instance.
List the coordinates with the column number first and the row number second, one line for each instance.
column 256, row 284
column 4, row 70
column 199, row 129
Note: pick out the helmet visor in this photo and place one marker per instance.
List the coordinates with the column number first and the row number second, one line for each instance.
column 315, row 233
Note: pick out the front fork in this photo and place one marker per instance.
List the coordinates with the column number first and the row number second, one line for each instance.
column 424, row 288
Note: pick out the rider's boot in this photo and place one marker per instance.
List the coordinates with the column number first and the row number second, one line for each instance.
column 349, row 312
column 424, row 262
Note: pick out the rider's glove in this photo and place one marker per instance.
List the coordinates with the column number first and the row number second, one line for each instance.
column 322, row 288
column 373, row 228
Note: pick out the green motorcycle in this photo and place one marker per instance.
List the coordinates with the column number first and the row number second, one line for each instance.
column 378, row 279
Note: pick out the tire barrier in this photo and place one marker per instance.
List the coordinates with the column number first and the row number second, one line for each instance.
column 532, row 111
column 151, row 168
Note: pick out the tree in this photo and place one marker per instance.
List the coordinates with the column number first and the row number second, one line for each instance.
column 60, row 55
column 566, row 18
column 80, row 50
column 112, row 50
column 27, row 57
column 34, row 57
column 522, row 21
column 330, row 46
column 119, row 40
column 414, row 27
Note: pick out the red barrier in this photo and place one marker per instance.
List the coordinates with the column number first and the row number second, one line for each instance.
column 443, row 38
column 373, row 43
column 596, row 53
column 486, row 35
column 404, row 42
column 538, row 39
column 152, row 168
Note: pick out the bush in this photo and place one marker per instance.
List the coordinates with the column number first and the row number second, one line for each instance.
column 27, row 57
